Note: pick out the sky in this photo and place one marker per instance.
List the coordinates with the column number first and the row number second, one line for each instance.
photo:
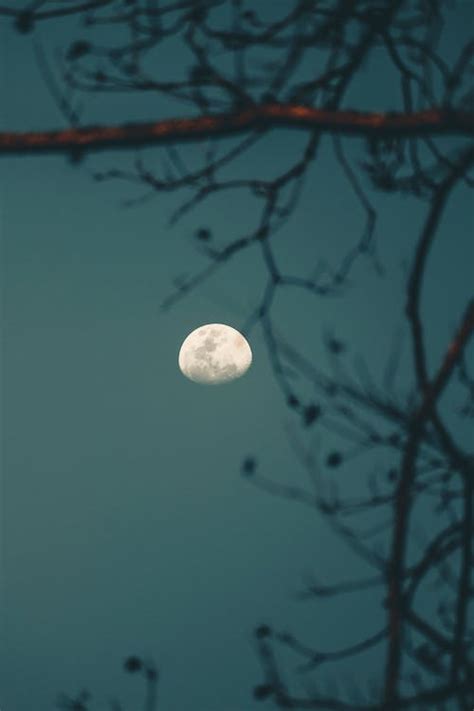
column 126, row 525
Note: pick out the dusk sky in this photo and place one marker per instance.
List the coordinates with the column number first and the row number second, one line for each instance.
column 127, row 527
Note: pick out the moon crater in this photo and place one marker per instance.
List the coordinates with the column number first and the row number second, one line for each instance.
column 214, row 354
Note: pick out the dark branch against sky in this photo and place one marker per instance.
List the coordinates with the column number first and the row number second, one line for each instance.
column 369, row 125
column 332, row 232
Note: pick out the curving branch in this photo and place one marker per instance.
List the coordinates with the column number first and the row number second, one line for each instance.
column 404, row 500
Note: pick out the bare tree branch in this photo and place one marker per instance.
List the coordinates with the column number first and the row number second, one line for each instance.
column 264, row 117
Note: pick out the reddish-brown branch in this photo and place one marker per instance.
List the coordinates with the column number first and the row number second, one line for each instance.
column 452, row 356
column 464, row 583
column 421, row 255
column 371, row 125
column 403, row 503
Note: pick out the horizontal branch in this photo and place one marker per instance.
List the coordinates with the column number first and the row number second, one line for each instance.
column 370, row 125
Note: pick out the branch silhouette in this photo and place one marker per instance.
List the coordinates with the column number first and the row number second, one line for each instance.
column 245, row 74
column 369, row 125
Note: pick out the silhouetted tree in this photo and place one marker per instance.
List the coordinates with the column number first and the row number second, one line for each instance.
column 246, row 75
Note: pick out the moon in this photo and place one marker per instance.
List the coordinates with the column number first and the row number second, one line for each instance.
column 213, row 354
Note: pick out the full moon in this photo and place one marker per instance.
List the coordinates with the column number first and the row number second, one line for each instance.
column 213, row 354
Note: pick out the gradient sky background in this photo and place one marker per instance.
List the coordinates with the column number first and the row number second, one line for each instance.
column 126, row 526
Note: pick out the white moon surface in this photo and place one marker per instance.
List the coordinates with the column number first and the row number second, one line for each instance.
column 213, row 354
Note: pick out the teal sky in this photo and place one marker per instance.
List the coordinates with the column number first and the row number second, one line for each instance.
column 126, row 526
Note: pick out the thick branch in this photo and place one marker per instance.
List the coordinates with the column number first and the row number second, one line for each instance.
column 415, row 283
column 464, row 584
column 404, row 500
column 370, row 125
